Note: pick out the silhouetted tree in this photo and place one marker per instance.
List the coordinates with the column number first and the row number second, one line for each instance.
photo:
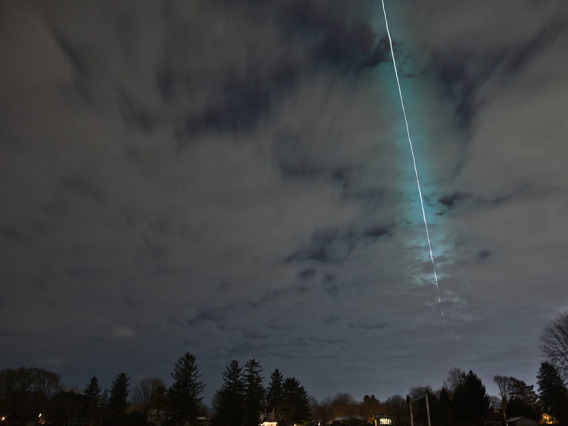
column 552, row 392
column 159, row 399
column 519, row 390
column 396, row 408
column 148, row 392
column 370, row 406
column 184, row 394
column 254, row 393
column 274, row 392
column 228, row 402
column 455, row 377
column 92, row 399
column 322, row 412
column 554, row 343
column 118, row 400
column 294, row 407
column 343, row 404
column 25, row 392
column 438, row 412
column 502, row 383
column 67, row 404
column 470, row 402
column 445, row 407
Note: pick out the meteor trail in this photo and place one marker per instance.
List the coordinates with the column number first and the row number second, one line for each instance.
column 413, row 158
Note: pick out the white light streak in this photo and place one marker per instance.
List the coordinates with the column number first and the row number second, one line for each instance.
column 413, row 158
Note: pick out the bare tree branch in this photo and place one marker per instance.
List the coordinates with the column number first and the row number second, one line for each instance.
column 554, row 342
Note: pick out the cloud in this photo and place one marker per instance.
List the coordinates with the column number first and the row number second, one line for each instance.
column 231, row 178
column 123, row 331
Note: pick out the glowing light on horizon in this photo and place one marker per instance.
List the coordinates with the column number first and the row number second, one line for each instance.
column 413, row 157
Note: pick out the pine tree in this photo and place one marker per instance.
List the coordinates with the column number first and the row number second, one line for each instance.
column 118, row 401
column 274, row 394
column 229, row 399
column 254, row 393
column 184, row 394
column 92, row 394
column 471, row 402
column 552, row 391
column 294, row 407
column 93, row 390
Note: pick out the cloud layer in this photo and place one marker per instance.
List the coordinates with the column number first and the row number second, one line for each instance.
column 232, row 178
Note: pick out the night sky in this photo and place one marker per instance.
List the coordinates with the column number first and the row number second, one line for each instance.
column 232, row 178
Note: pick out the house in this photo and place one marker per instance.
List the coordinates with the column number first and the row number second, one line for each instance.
column 521, row 421
column 156, row 417
column 268, row 419
column 382, row 420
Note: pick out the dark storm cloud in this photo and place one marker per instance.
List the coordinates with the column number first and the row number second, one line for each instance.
column 228, row 178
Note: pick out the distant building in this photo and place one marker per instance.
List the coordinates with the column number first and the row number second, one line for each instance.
column 497, row 413
column 204, row 421
column 268, row 419
column 156, row 417
column 521, row 421
column 382, row 420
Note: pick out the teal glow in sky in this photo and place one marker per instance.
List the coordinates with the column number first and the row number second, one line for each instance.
column 420, row 195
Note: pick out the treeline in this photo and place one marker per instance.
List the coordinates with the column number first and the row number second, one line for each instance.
column 461, row 401
column 34, row 394
column 242, row 399
column 37, row 395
